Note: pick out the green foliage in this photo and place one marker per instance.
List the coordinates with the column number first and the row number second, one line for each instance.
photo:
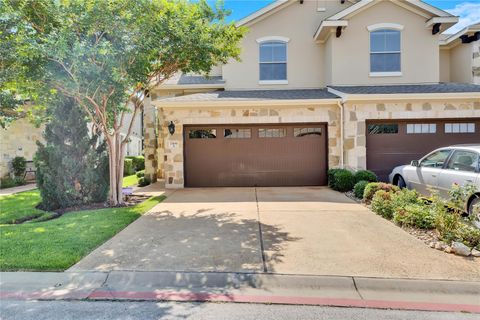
column 373, row 187
column 140, row 174
column 365, row 175
column 459, row 195
column 145, row 181
column 19, row 165
column 343, row 180
column 128, row 169
column 138, row 162
column 382, row 204
column 129, row 181
column 405, row 197
column 468, row 235
column 359, row 188
column 72, row 168
column 57, row 244
column 415, row 215
column 331, row 176
column 7, row 182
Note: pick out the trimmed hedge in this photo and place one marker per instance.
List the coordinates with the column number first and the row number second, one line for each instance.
column 344, row 181
column 138, row 162
column 144, row 181
column 359, row 188
column 128, row 169
column 365, row 175
column 373, row 187
column 331, row 177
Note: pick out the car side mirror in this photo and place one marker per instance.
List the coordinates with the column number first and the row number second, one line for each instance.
column 414, row 163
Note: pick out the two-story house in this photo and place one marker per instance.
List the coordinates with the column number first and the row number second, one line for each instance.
column 367, row 84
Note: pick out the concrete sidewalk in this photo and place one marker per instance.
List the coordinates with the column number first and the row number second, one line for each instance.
column 10, row 191
column 432, row 295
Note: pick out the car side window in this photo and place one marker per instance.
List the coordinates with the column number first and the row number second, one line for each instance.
column 463, row 161
column 435, row 160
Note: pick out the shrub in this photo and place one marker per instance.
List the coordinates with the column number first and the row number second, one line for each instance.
column 128, row 167
column 344, row 181
column 19, row 165
column 331, row 177
column 365, row 175
column 19, row 181
column 359, row 188
column 7, row 182
column 138, row 162
column 414, row 215
column 382, row 204
column 373, row 187
column 468, row 235
column 140, row 174
column 446, row 223
column 72, row 166
column 145, row 181
column 405, row 197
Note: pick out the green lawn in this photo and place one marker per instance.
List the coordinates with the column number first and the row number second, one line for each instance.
column 57, row 244
column 129, row 181
column 20, row 206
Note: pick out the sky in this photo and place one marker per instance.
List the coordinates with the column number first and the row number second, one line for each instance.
column 467, row 10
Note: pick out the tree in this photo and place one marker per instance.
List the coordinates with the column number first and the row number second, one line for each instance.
column 72, row 167
column 107, row 55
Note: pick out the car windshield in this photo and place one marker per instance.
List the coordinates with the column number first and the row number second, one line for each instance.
column 436, row 159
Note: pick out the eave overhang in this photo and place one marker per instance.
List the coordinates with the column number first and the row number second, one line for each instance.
column 327, row 27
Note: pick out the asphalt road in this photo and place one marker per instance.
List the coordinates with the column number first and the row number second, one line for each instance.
column 66, row 310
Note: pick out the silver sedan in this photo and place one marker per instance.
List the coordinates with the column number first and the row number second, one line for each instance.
column 440, row 169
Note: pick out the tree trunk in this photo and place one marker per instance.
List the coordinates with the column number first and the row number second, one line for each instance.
column 116, row 156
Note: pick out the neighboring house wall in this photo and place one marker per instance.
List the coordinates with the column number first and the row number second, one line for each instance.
column 419, row 48
column 19, row 139
column 135, row 144
column 461, row 62
column 476, row 62
column 305, row 60
column 444, row 65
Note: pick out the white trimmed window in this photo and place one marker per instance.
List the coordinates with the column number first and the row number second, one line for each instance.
column 273, row 61
column 385, row 52
column 418, row 128
column 460, row 127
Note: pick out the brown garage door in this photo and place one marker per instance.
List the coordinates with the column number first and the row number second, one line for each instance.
column 391, row 143
column 255, row 155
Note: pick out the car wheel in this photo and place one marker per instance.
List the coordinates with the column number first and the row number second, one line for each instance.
column 473, row 212
column 401, row 183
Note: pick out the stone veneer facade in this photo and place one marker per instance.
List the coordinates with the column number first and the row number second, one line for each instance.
column 19, row 139
column 164, row 152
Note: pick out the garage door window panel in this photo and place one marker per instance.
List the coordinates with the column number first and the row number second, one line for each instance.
column 272, row 133
column 463, row 161
column 435, row 160
column 382, row 128
column 421, row 128
column 304, row 132
column 202, row 134
column 460, row 127
column 237, row 133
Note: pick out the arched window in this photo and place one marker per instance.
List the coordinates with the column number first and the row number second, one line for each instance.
column 385, row 51
column 273, row 61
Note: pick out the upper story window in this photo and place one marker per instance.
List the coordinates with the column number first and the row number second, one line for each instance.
column 273, row 61
column 385, row 50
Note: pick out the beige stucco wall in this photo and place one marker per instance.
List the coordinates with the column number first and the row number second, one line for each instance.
column 461, row 63
column 171, row 149
column 305, row 62
column 19, row 139
column 419, row 48
column 476, row 62
column 356, row 115
column 444, row 65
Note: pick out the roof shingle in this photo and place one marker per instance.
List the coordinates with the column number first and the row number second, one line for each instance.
column 414, row 88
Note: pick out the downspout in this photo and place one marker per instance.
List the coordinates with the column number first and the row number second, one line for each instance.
column 342, row 108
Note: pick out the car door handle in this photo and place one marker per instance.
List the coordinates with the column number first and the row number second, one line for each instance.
column 434, row 175
column 469, row 180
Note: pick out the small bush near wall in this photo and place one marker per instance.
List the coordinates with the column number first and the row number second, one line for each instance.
column 142, row 182
column 140, row 174
column 365, row 175
column 344, row 181
column 331, row 177
column 138, row 162
column 9, row 182
column 382, row 204
column 19, row 165
column 373, row 187
column 128, row 167
column 359, row 188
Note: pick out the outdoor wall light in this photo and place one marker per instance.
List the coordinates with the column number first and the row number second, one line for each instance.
column 171, row 127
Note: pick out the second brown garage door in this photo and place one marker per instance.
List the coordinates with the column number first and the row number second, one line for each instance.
column 391, row 143
column 255, row 155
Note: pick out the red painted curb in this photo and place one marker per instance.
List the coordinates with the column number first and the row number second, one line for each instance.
column 339, row 302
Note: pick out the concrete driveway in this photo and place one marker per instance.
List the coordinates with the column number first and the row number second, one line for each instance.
column 310, row 231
